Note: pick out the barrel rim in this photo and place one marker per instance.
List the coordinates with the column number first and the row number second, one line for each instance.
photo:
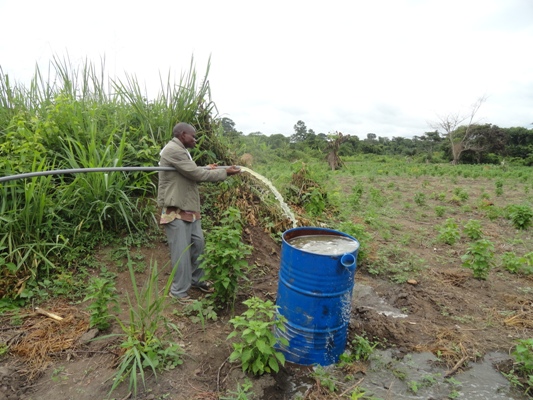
column 310, row 230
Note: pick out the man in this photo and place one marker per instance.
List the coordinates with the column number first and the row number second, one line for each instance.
column 180, row 201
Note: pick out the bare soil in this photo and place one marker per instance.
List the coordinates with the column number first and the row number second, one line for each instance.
column 450, row 314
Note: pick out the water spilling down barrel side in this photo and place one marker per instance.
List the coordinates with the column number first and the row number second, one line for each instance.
column 316, row 280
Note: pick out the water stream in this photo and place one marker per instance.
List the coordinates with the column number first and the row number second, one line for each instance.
column 286, row 210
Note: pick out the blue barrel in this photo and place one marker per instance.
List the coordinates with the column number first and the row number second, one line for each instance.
column 314, row 295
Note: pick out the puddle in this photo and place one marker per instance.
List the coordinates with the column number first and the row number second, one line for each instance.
column 364, row 297
column 416, row 376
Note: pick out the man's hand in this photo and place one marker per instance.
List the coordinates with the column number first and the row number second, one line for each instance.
column 233, row 170
column 212, row 166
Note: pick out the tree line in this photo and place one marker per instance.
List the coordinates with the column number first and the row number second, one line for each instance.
column 469, row 144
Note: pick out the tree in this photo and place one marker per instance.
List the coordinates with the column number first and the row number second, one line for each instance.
column 229, row 129
column 228, row 125
column 485, row 139
column 520, row 143
column 300, row 132
column 277, row 141
column 429, row 141
column 460, row 140
column 333, row 158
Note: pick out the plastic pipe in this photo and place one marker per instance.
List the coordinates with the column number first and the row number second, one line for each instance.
column 79, row 170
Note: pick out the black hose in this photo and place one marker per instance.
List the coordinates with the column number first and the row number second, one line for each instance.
column 78, row 170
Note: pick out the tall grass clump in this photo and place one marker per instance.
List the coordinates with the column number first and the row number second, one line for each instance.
column 77, row 117
column 146, row 341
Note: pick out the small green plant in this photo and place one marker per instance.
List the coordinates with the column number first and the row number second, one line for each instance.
column 401, row 375
column 414, row 386
column 461, row 193
column 256, row 348
column 4, row 349
column 243, row 392
column 520, row 215
column 453, row 394
column 514, row 264
column 324, row 378
column 449, row 232
column 58, row 375
column 511, row 262
column 499, row 187
column 315, row 201
column 523, row 355
column 439, row 211
column 224, row 258
column 355, row 197
column 479, row 257
column 397, row 263
column 201, row 311
column 377, row 197
column 362, row 348
column 473, row 229
column 420, row 199
column 102, row 292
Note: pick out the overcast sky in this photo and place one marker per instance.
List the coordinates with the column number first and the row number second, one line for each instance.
column 387, row 67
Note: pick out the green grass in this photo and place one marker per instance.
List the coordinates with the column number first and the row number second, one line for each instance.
column 74, row 117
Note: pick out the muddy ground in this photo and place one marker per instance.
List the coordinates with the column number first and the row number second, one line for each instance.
column 448, row 313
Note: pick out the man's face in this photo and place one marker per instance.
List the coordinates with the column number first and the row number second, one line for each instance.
column 188, row 138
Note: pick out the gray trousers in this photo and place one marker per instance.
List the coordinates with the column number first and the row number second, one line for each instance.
column 181, row 234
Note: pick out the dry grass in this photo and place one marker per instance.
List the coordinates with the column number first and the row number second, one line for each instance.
column 44, row 337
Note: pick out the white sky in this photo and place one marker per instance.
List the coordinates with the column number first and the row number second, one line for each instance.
column 381, row 66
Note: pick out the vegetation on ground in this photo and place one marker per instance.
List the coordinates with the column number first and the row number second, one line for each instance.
column 413, row 212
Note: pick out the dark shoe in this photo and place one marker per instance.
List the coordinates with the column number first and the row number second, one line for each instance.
column 183, row 300
column 205, row 286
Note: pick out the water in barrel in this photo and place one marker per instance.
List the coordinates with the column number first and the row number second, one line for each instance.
column 324, row 244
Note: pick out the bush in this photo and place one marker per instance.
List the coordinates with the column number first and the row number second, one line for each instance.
column 449, row 232
column 224, row 258
column 256, row 350
column 479, row 257
column 473, row 230
column 520, row 215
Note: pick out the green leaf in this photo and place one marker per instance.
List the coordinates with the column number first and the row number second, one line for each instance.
column 263, row 348
column 280, row 356
column 273, row 364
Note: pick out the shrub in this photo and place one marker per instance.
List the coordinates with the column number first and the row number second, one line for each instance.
column 523, row 354
column 461, row 194
column 224, row 260
column 256, row 349
column 361, row 350
column 473, row 230
column 449, row 232
column 511, row 262
column 514, row 264
column 420, row 199
column 479, row 257
column 520, row 215
column 103, row 293
column 440, row 210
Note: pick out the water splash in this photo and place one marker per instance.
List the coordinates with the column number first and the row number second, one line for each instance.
column 286, row 210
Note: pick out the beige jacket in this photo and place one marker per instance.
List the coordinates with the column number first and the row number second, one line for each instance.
column 180, row 188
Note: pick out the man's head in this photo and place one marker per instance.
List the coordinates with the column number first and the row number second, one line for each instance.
column 185, row 133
